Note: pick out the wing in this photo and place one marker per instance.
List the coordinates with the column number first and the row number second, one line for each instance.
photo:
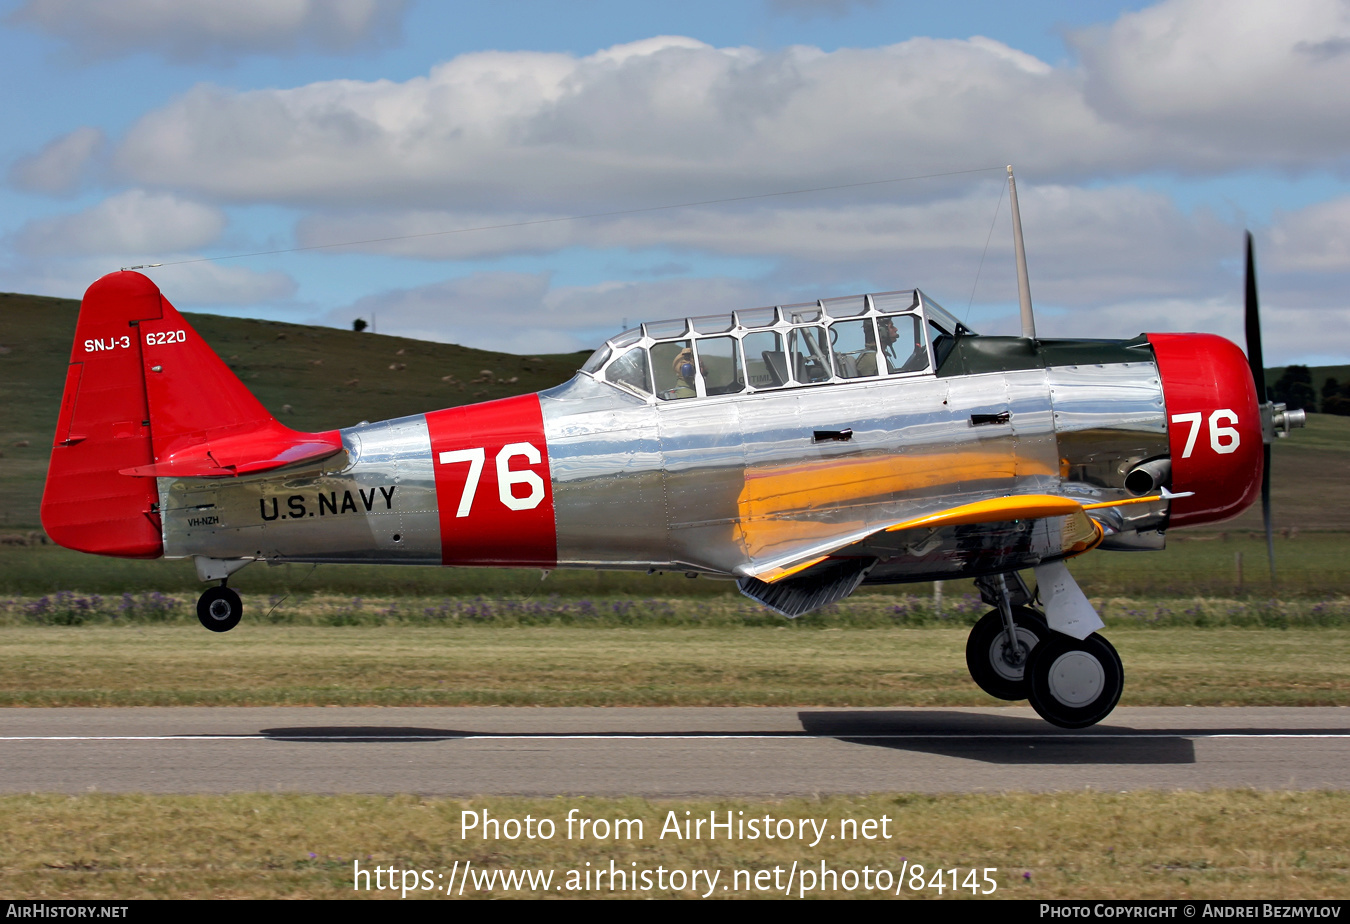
column 827, row 571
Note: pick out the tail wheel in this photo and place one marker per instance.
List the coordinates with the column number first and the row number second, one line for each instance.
column 1074, row 684
column 997, row 663
column 219, row 609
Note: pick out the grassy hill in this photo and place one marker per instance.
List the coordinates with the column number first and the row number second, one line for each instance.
column 311, row 378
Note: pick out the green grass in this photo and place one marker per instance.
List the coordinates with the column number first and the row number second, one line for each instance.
column 1310, row 479
column 184, row 665
column 1311, row 566
column 1080, row 845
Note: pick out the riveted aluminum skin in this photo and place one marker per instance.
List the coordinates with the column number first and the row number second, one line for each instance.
column 1108, row 419
column 375, row 501
column 734, row 485
column 723, row 484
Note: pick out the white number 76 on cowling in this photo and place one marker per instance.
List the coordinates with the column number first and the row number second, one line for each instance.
column 506, row 479
column 1222, row 440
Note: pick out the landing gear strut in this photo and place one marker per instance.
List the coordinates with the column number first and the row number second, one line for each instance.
column 1001, row 642
column 219, row 608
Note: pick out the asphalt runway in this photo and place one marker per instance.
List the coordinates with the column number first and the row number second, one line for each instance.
column 664, row 752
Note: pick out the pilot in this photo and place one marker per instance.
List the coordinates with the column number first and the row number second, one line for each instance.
column 684, row 374
column 917, row 361
column 867, row 361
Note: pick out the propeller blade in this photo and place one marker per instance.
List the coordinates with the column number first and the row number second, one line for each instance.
column 1257, row 362
column 1266, row 514
column 1253, row 318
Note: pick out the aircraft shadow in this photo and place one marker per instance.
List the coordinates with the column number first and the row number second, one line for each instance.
column 974, row 736
column 1001, row 739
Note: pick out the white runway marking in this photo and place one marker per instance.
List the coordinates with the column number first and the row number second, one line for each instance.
column 451, row 736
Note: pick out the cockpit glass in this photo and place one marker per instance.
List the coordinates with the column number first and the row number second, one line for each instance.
column 808, row 354
column 627, row 338
column 888, row 302
column 597, row 360
column 810, row 343
column 757, row 317
column 902, row 343
column 720, row 363
column 854, row 344
column 765, row 362
column 673, row 366
column 658, row 330
column 942, row 343
column 801, row 314
column 713, row 324
column 848, row 307
column 631, row 369
column 943, row 318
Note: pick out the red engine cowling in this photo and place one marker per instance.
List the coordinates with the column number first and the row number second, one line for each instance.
column 1213, row 426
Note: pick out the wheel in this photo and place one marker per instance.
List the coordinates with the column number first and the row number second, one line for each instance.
column 998, row 667
column 219, row 609
column 1074, row 684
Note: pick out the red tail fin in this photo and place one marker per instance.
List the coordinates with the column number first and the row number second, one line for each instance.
column 146, row 397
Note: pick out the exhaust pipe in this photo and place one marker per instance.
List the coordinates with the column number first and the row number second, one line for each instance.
column 1148, row 477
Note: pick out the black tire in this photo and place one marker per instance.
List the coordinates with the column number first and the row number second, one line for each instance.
column 1075, row 684
column 992, row 662
column 219, row 609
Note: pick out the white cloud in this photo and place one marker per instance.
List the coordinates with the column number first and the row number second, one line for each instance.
column 494, row 138
column 188, row 287
column 60, row 166
column 1228, row 81
column 133, row 223
column 648, row 122
column 1314, row 239
column 1180, row 87
column 208, row 284
column 1086, row 246
column 185, row 31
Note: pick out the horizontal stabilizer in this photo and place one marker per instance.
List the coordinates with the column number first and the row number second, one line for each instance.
column 819, row 586
column 259, row 450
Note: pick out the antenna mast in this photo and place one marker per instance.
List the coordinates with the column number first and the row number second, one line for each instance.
column 1023, row 284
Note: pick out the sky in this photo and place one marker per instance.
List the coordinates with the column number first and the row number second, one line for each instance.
column 535, row 176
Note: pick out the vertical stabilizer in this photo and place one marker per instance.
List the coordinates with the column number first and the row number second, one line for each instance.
column 104, row 426
column 146, row 398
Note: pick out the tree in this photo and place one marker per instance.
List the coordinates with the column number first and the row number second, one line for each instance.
column 359, row 325
column 1295, row 389
column 1336, row 398
column 1330, row 389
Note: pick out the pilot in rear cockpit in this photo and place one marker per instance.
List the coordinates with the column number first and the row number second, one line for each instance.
column 684, row 374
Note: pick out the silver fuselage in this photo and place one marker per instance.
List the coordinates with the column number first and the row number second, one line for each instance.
column 717, row 484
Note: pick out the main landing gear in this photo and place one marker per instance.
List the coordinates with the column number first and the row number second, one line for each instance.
column 1074, row 684
column 997, row 661
column 1012, row 654
column 219, row 608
